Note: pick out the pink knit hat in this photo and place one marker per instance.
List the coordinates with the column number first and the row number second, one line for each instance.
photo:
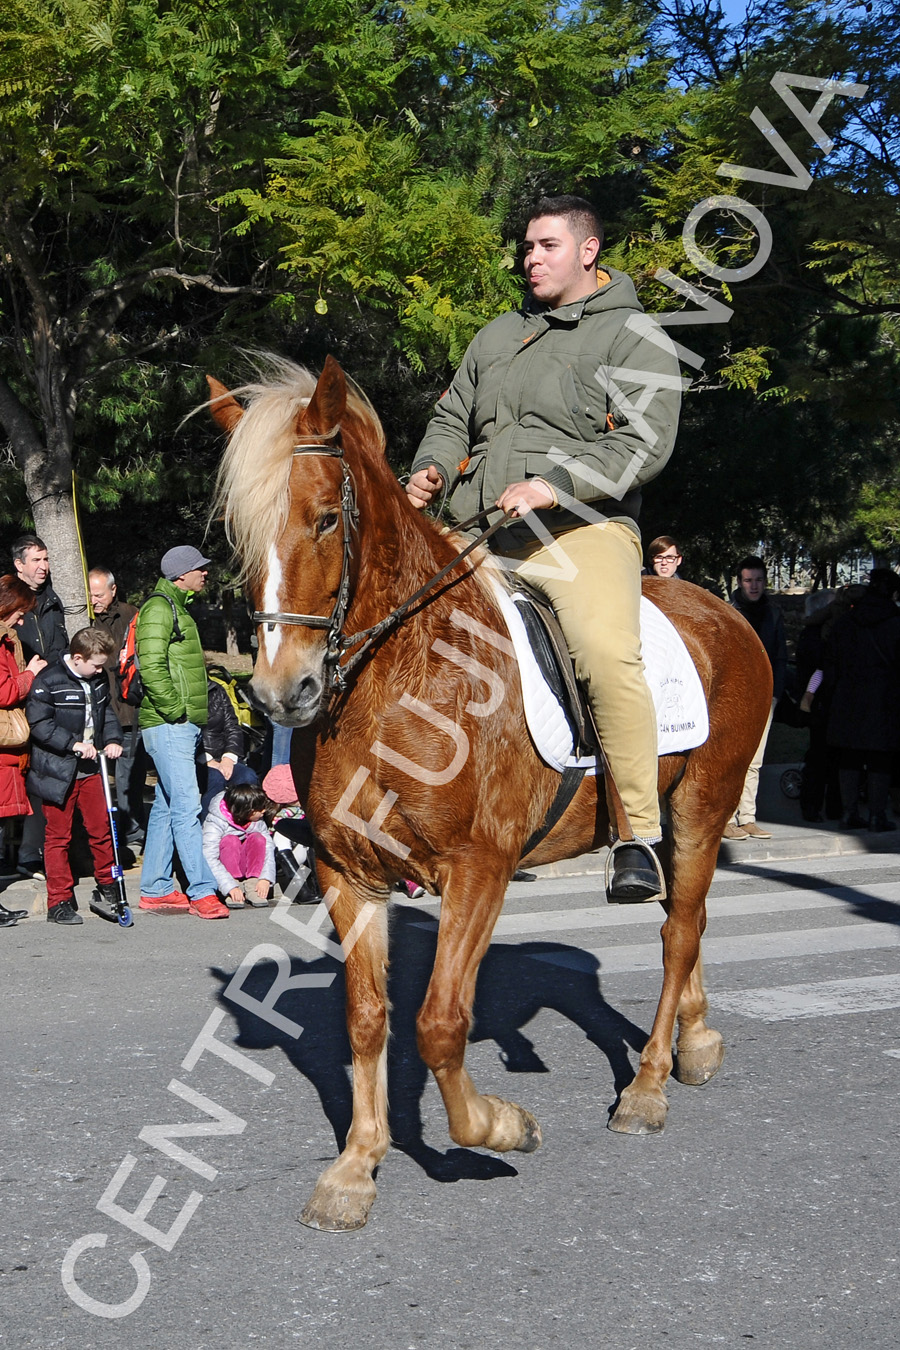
column 278, row 785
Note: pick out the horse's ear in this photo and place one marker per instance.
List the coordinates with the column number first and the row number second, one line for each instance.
column 324, row 413
column 226, row 411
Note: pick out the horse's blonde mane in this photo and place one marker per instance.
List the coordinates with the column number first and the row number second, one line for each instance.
column 251, row 495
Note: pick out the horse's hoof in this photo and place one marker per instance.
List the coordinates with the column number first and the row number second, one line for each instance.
column 700, row 1063
column 333, row 1210
column 512, row 1127
column 639, row 1114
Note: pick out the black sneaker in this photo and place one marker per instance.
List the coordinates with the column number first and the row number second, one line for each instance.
column 7, row 919
column 65, row 913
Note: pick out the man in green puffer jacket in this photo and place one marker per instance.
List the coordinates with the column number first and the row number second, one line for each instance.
column 561, row 411
column 173, row 711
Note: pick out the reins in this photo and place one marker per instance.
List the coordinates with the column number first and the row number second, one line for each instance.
column 338, row 643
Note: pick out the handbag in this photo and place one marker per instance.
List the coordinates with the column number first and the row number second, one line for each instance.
column 14, row 729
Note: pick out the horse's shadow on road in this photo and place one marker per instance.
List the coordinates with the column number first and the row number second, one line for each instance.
column 512, row 989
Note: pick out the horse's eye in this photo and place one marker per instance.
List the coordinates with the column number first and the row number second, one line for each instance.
column 328, row 523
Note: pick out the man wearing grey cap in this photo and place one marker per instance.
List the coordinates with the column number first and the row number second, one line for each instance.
column 173, row 710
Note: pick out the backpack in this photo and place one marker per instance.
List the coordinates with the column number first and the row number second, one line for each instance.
column 252, row 722
column 129, row 685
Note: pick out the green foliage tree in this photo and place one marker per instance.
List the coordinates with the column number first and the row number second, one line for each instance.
column 813, row 331
column 180, row 180
column 120, row 126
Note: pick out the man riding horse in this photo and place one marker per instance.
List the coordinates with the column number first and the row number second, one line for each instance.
column 561, row 411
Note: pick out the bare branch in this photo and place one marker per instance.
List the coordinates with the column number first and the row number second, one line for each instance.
column 21, row 257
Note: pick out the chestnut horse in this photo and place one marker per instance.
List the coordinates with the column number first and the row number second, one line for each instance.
column 421, row 765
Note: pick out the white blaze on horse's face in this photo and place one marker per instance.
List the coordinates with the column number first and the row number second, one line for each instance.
column 288, row 679
column 271, row 604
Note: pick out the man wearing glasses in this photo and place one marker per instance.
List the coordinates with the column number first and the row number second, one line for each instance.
column 664, row 557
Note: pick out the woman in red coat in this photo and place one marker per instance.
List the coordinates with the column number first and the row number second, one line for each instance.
column 16, row 679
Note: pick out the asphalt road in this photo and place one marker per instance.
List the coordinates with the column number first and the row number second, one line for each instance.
column 766, row 1213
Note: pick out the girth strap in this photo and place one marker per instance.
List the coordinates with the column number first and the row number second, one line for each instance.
column 569, row 784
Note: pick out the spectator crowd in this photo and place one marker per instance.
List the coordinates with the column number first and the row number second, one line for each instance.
column 65, row 717
column 217, row 839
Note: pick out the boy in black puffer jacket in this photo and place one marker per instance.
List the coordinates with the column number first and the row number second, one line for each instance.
column 223, row 749
column 72, row 721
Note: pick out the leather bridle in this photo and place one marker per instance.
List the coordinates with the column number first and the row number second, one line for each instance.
column 337, row 642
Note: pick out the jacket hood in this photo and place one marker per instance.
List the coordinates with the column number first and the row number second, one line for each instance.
column 870, row 610
column 755, row 606
column 618, row 293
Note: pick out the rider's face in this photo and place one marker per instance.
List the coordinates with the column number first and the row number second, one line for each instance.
column 558, row 268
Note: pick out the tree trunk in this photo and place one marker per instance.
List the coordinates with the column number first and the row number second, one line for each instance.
column 47, row 470
column 54, row 522
column 231, row 637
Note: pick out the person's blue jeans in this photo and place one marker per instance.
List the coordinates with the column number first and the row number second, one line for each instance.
column 281, row 744
column 216, row 782
column 175, row 815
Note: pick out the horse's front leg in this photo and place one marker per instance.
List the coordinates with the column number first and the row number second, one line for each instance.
column 699, row 1049
column 472, row 899
column 345, row 1191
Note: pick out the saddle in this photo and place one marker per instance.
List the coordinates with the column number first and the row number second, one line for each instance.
column 556, row 666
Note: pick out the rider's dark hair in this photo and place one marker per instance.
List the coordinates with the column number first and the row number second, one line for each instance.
column 578, row 214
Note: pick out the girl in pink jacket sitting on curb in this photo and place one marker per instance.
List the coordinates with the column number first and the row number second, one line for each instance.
column 238, row 847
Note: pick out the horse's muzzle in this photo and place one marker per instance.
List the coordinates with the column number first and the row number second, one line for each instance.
column 296, row 706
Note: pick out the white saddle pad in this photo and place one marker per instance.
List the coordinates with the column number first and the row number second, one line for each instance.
column 682, row 716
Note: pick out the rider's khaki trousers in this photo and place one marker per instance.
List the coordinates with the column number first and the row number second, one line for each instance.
column 592, row 577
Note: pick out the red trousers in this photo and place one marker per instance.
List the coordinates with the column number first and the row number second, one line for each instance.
column 87, row 795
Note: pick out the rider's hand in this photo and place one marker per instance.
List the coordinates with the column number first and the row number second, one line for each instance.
column 424, row 486
column 528, row 496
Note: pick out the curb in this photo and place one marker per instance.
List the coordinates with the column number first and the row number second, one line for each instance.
column 786, row 845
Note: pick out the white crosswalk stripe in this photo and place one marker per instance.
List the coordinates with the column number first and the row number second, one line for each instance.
column 859, row 907
column 869, row 994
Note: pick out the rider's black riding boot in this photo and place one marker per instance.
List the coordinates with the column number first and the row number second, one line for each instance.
column 636, row 875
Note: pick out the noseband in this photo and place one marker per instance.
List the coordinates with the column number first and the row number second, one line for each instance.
column 337, row 642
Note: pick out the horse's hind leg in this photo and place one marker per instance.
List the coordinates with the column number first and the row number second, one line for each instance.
column 471, row 901
column 699, row 1050
column 696, row 831
column 345, row 1191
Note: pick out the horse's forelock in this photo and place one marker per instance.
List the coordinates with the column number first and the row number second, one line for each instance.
column 252, row 484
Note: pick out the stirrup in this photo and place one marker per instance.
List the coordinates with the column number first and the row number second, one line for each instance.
column 649, row 852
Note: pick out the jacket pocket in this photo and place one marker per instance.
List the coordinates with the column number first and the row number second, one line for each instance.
column 585, row 405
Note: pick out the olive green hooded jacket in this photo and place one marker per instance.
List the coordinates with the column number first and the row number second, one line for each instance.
column 585, row 396
column 173, row 673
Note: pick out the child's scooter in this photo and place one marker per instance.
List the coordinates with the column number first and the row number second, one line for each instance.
column 122, row 912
